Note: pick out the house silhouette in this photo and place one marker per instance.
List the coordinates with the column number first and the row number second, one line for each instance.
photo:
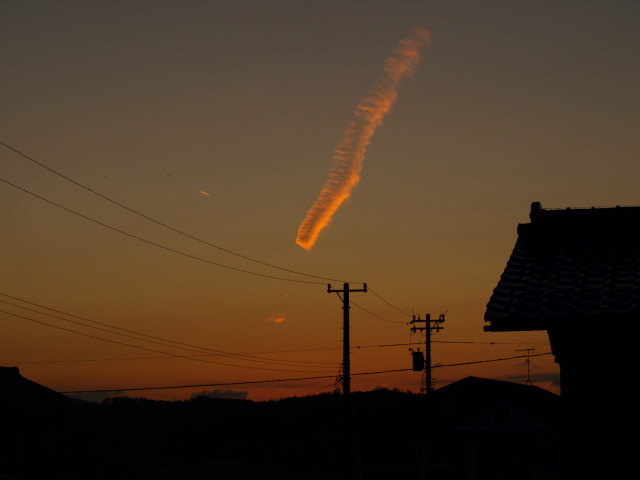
column 479, row 429
column 576, row 274
column 490, row 429
column 15, row 390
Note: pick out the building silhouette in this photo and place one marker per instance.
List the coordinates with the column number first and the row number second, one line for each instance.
column 479, row 429
column 576, row 274
column 15, row 390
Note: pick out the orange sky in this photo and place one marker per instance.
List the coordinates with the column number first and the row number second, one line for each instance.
column 155, row 104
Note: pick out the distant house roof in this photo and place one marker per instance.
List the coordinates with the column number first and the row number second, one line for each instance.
column 472, row 395
column 571, row 265
column 485, row 391
column 17, row 390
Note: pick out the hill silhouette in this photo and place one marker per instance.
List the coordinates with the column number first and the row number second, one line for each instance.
column 291, row 438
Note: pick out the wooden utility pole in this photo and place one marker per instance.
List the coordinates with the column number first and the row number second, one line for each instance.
column 346, row 372
column 430, row 325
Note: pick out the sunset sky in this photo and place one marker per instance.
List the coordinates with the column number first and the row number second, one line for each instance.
column 221, row 118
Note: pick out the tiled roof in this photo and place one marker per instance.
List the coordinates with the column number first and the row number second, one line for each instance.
column 570, row 265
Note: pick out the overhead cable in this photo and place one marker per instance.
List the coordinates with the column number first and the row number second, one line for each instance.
column 155, row 339
column 375, row 315
column 162, row 224
column 492, row 360
column 146, row 348
column 288, row 379
column 356, row 347
column 149, row 242
column 388, row 303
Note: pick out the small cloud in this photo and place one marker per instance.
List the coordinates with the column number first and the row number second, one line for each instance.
column 277, row 318
column 219, row 393
column 553, row 378
column 96, row 397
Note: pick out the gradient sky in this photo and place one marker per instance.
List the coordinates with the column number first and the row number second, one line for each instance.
column 152, row 102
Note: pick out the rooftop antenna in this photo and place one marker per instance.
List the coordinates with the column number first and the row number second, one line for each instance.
column 528, row 361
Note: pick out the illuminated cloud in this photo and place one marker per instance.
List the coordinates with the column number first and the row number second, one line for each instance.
column 277, row 318
column 344, row 173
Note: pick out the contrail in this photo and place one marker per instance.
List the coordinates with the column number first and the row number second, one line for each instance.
column 344, row 173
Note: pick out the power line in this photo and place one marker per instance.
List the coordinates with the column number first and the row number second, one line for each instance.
column 487, row 343
column 356, row 347
column 390, row 304
column 163, row 357
column 157, row 222
column 149, row 242
column 181, row 232
column 318, row 390
column 195, row 348
column 221, row 384
column 198, row 350
column 118, row 359
column 400, row 345
column 145, row 348
column 181, row 345
column 377, row 316
column 492, row 360
column 250, row 382
column 136, row 335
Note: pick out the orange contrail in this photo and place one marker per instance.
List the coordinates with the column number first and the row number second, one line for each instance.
column 344, row 173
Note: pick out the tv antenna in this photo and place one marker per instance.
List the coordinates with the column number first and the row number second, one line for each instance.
column 529, row 351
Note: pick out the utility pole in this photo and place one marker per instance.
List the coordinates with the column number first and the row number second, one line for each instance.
column 346, row 372
column 430, row 325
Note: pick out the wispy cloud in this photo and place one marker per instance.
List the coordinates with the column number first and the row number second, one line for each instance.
column 96, row 397
column 277, row 319
column 554, row 378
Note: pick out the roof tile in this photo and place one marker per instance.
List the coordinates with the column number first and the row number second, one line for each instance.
column 570, row 265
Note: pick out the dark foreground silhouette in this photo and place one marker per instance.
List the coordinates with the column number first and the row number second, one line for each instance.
column 479, row 429
column 575, row 273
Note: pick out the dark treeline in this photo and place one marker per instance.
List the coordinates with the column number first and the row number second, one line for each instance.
column 133, row 438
